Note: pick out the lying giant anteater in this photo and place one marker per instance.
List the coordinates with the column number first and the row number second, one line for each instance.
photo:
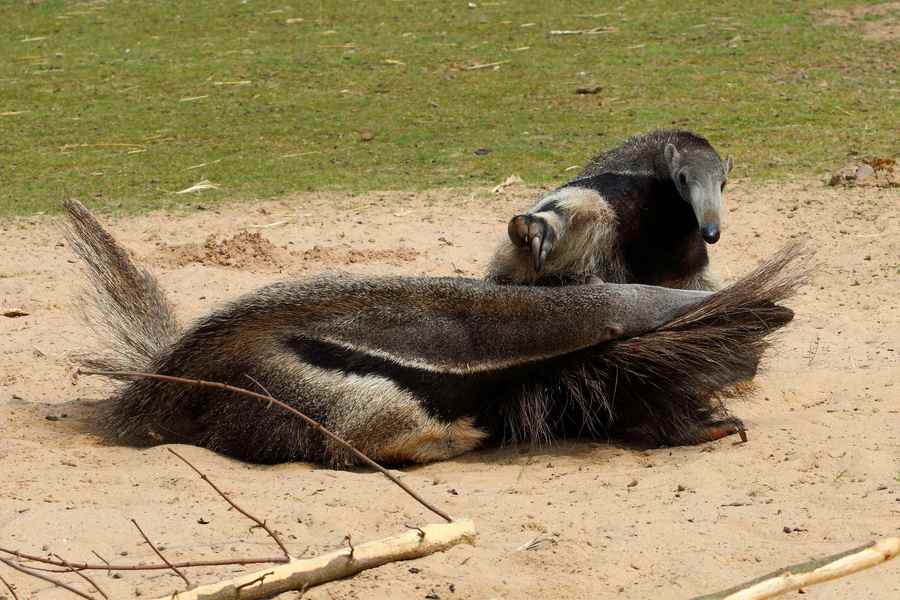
column 422, row 369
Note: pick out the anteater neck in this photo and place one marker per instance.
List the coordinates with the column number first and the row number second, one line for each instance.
column 659, row 237
column 662, row 242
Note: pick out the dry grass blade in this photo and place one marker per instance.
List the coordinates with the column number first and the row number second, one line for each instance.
column 479, row 66
column 533, row 544
column 198, row 187
column 592, row 31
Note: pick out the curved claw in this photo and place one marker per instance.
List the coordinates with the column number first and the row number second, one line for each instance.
column 720, row 429
column 532, row 231
column 547, row 237
column 536, row 252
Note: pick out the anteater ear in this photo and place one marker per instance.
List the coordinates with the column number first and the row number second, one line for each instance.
column 729, row 163
column 673, row 158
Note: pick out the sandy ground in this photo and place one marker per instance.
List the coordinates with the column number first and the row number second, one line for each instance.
column 821, row 472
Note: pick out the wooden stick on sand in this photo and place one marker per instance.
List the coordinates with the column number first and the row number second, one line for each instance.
column 818, row 571
column 303, row 574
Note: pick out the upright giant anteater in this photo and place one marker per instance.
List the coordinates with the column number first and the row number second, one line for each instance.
column 639, row 213
column 422, row 369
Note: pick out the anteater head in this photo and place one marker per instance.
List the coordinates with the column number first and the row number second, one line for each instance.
column 700, row 175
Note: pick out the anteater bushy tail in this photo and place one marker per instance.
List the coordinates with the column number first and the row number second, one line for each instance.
column 126, row 305
column 680, row 373
column 667, row 386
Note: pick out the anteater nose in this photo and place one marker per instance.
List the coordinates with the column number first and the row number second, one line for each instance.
column 710, row 234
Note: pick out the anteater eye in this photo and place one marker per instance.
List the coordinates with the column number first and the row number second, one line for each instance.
column 682, row 178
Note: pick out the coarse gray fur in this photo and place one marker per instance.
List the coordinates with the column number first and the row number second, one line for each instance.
column 642, row 212
column 421, row 369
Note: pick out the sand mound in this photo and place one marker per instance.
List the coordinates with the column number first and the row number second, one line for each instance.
column 244, row 250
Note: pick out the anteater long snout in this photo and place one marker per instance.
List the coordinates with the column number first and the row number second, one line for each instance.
column 706, row 201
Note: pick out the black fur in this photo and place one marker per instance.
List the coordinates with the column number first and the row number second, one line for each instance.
column 657, row 232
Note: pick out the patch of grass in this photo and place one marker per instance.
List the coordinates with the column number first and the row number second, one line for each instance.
column 118, row 102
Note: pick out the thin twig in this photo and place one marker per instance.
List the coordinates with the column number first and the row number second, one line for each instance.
column 349, row 539
column 47, row 578
column 82, row 566
column 82, row 575
column 101, row 558
column 269, row 399
column 418, row 529
column 261, row 524
column 159, row 554
column 260, row 386
column 9, row 587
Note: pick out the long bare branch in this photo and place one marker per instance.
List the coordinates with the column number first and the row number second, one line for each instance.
column 83, row 566
column 12, row 565
column 269, row 399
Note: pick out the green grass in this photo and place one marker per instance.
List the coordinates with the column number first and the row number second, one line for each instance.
column 113, row 101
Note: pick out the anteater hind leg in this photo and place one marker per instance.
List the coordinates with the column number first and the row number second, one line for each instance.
column 384, row 421
column 684, row 432
column 390, row 425
column 717, row 430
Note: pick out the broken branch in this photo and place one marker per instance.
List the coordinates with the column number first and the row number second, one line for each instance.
column 310, row 572
column 811, row 573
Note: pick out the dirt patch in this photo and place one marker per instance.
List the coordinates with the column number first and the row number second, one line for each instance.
column 346, row 255
column 878, row 22
column 875, row 172
column 580, row 519
column 245, row 250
